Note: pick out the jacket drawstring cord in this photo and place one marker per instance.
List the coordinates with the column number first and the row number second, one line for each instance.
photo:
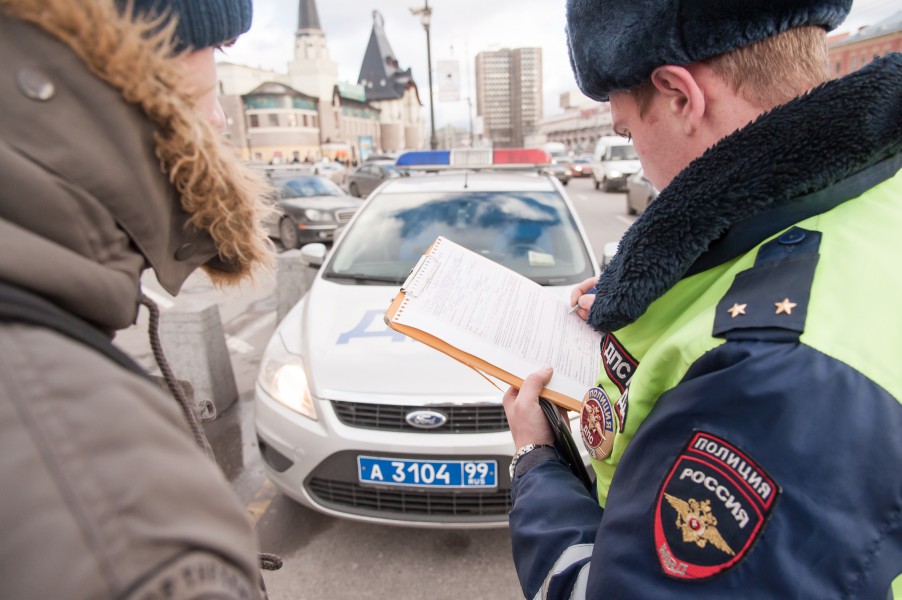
column 153, row 330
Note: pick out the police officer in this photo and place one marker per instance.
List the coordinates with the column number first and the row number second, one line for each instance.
column 744, row 428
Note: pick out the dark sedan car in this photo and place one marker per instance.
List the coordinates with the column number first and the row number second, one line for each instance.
column 311, row 208
column 370, row 176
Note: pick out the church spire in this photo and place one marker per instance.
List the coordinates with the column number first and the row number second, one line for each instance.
column 308, row 18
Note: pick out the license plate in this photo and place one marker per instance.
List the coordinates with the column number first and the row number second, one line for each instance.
column 428, row 473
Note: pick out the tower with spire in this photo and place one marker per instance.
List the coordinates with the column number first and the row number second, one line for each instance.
column 312, row 71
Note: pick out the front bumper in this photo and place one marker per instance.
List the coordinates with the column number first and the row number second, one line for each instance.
column 315, row 463
column 316, row 233
column 617, row 184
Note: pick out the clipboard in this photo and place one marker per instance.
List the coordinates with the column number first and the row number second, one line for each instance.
column 480, row 365
column 416, row 283
column 418, row 279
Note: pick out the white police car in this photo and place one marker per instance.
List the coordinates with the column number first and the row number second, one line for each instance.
column 358, row 421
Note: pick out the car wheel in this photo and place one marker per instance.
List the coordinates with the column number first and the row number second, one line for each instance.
column 288, row 234
column 353, row 190
column 565, row 182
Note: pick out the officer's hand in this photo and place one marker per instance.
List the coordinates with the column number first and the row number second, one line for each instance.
column 584, row 295
column 527, row 421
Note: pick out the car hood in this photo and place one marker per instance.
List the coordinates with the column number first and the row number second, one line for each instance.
column 350, row 354
column 321, row 202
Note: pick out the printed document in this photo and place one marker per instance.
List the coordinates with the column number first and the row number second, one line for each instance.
column 494, row 314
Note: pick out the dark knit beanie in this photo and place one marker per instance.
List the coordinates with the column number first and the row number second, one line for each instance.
column 201, row 23
column 616, row 44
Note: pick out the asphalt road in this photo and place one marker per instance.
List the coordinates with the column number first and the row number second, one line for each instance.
column 329, row 558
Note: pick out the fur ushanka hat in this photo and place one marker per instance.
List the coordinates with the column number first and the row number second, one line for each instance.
column 616, row 44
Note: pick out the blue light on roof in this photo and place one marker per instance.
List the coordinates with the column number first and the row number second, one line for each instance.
column 424, row 158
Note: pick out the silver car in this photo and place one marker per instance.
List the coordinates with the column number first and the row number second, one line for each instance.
column 639, row 193
column 369, row 176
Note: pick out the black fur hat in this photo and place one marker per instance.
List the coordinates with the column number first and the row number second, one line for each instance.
column 616, row 44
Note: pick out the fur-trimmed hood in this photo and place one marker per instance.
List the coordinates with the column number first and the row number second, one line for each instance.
column 780, row 162
column 107, row 166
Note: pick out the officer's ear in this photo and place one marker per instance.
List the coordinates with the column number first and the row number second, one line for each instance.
column 684, row 95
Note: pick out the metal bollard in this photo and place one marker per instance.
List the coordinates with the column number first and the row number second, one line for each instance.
column 293, row 279
column 193, row 340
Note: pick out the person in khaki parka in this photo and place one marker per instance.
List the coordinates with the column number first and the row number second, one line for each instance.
column 112, row 163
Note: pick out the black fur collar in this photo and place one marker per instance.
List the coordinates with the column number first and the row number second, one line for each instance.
column 789, row 153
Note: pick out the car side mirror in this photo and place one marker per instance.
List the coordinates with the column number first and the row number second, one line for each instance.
column 313, row 254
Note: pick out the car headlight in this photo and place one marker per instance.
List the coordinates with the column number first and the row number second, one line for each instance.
column 313, row 214
column 283, row 377
column 615, row 174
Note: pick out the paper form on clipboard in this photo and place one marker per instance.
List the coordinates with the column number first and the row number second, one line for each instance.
column 496, row 321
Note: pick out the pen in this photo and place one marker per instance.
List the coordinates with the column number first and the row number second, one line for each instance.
column 593, row 290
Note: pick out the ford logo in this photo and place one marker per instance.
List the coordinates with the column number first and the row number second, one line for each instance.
column 426, row 419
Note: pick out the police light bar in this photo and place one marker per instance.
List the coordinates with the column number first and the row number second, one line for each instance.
column 474, row 158
column 433, row 158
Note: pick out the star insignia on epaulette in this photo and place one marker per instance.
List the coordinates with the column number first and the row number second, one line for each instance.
column 785, row 306
column 737, row 309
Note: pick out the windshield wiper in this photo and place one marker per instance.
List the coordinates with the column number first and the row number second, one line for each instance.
column 364, row 278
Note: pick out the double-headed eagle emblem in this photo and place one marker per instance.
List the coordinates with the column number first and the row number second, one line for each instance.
column 698, row 523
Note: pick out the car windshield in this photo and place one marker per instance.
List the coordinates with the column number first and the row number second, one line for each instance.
column 532, row 233
column 302, row 187
column 623, row 153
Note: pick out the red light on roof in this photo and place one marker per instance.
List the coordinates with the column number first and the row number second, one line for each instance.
column 521, row 156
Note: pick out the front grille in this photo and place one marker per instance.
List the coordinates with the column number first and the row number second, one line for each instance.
column 410, row 502
column 343, row 216
column 390, row 417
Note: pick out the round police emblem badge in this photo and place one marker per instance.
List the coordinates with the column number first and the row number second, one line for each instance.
column 597, row 423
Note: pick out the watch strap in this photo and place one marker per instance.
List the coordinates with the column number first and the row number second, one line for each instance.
column 523, row 451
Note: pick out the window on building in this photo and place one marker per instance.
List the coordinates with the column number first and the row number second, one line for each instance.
column 304, row 120
column 272, row 120
column 254, row 120
column 853, row 63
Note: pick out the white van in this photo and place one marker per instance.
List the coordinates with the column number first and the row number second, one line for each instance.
column 615, row 159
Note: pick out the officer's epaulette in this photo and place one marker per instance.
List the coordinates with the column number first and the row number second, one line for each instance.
column 770, row 300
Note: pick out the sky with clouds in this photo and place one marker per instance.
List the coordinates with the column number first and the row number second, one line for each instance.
column 460, row 29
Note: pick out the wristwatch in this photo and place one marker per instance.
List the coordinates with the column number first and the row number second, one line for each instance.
column 522, row 451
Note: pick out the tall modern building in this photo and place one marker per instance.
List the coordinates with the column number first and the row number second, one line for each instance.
column 509, row 94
